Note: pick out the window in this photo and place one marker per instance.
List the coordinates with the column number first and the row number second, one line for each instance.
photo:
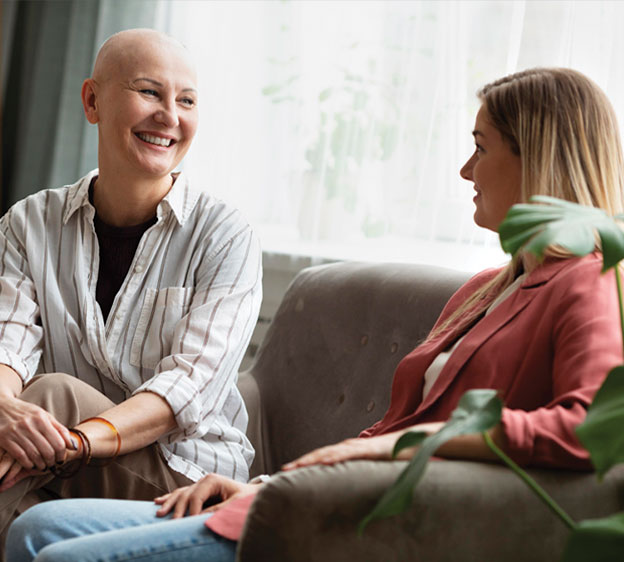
column 339, row 127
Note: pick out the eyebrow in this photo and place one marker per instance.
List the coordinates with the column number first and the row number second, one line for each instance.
column 159, row 84
column 477, row 132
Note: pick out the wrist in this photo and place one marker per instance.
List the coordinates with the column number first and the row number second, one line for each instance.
column 11, row 384
column 7, row 393
column 103, row 436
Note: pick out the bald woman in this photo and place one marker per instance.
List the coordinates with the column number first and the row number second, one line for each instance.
column 126, row 303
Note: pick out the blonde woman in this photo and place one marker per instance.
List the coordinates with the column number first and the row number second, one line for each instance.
column 544, row 335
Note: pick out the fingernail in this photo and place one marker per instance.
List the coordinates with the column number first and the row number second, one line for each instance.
column 59, row 462
column 73, row 441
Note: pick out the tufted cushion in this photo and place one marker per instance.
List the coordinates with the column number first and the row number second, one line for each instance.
column 324, row 369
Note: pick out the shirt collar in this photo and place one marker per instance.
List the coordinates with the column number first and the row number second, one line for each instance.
column 180, row 200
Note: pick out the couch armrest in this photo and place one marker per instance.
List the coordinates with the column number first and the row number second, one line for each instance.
column 462, row 511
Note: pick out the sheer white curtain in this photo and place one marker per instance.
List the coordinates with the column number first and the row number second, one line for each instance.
column 339, row 127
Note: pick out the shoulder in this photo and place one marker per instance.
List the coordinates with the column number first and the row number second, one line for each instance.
column 219, row 220
column 45, row 208
column 215, row 225
column 570, row 268
column 572, row 275
column 575, row 287
column 202, row 210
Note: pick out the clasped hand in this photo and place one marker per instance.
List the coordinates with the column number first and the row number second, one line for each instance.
column 31, row 441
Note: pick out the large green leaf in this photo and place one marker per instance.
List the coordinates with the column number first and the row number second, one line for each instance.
column 477, row 411
column 549, row 221
column 602, row 431
column 597, row 540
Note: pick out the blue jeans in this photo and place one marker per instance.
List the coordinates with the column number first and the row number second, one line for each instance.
column 89, row 530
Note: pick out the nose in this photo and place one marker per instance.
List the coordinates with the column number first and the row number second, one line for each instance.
column 167, row 114
column 466, row 169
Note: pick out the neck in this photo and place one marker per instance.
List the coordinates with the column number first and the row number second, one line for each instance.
column 120, row 202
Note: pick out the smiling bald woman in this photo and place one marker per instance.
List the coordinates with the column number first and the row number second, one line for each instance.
column 134, row 294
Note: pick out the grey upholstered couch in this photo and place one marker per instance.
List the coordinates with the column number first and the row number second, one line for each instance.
column 323, row 373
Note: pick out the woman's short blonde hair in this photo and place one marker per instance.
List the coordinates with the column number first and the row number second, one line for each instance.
column 564, row 129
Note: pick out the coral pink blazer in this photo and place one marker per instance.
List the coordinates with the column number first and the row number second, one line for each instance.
column 546, row 349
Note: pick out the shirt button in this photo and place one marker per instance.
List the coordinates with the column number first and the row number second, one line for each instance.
column 139, row 269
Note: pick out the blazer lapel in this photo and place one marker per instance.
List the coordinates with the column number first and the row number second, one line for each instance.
column 504, row 313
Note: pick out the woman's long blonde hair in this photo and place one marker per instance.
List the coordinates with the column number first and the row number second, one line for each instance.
column 564, row 129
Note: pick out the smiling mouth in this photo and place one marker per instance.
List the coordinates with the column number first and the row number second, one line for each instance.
column 155, row 140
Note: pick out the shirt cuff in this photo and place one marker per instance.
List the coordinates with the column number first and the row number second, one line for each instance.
column 520, row 435
column 260, row 479
column 182, row 395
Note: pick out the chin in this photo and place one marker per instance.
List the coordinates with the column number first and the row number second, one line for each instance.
column 484, row 223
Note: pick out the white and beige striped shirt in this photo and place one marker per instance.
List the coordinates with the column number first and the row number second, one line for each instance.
column 178, row 326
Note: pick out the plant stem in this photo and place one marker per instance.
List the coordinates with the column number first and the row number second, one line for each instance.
column 618, row 280
column 539, row 491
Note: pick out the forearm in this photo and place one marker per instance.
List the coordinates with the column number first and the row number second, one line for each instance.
column 140, row 421
column 469, row 447
column 380, row 447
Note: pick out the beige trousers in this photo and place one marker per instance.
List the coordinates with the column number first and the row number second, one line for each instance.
column 141, row 475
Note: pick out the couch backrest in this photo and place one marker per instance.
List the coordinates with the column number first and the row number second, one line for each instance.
column 324, row 370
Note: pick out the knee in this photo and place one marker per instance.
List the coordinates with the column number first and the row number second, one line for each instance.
column 56, row 552
column 49, row 384
column 67, row 398
column 24, row 538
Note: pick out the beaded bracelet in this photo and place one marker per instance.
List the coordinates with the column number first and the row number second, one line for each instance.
column 62, row 471
column 86, row 451
column 111, row 426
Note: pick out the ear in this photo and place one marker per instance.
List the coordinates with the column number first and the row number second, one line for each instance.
column 89, row 100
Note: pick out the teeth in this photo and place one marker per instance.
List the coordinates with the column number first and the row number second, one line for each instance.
column 154, row 140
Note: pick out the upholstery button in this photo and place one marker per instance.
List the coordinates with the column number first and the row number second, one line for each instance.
column 394, row 347
column 370, row 406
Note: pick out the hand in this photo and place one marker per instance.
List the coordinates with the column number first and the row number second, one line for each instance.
column 191, row 498
column 379, row 447
column 30, row 435
column 374, row 448
column 13, row 472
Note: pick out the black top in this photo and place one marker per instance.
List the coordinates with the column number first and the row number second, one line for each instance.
column 117, row 248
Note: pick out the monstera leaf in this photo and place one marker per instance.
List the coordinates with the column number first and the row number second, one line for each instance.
column 477, row 411
column 553, row 222
column 548, row 221
column 599, row 540
column 602, row 431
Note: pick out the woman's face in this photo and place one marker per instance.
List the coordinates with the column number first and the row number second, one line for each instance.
column 495, row 171
column 146, row 111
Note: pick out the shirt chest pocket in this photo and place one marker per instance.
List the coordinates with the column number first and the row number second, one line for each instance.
column 161, row 312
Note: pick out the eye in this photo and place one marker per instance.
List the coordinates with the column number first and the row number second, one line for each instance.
column 149, row 92
column 478, row 149
column 189, row 102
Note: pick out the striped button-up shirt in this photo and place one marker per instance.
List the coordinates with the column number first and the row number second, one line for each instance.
column 178, row 327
